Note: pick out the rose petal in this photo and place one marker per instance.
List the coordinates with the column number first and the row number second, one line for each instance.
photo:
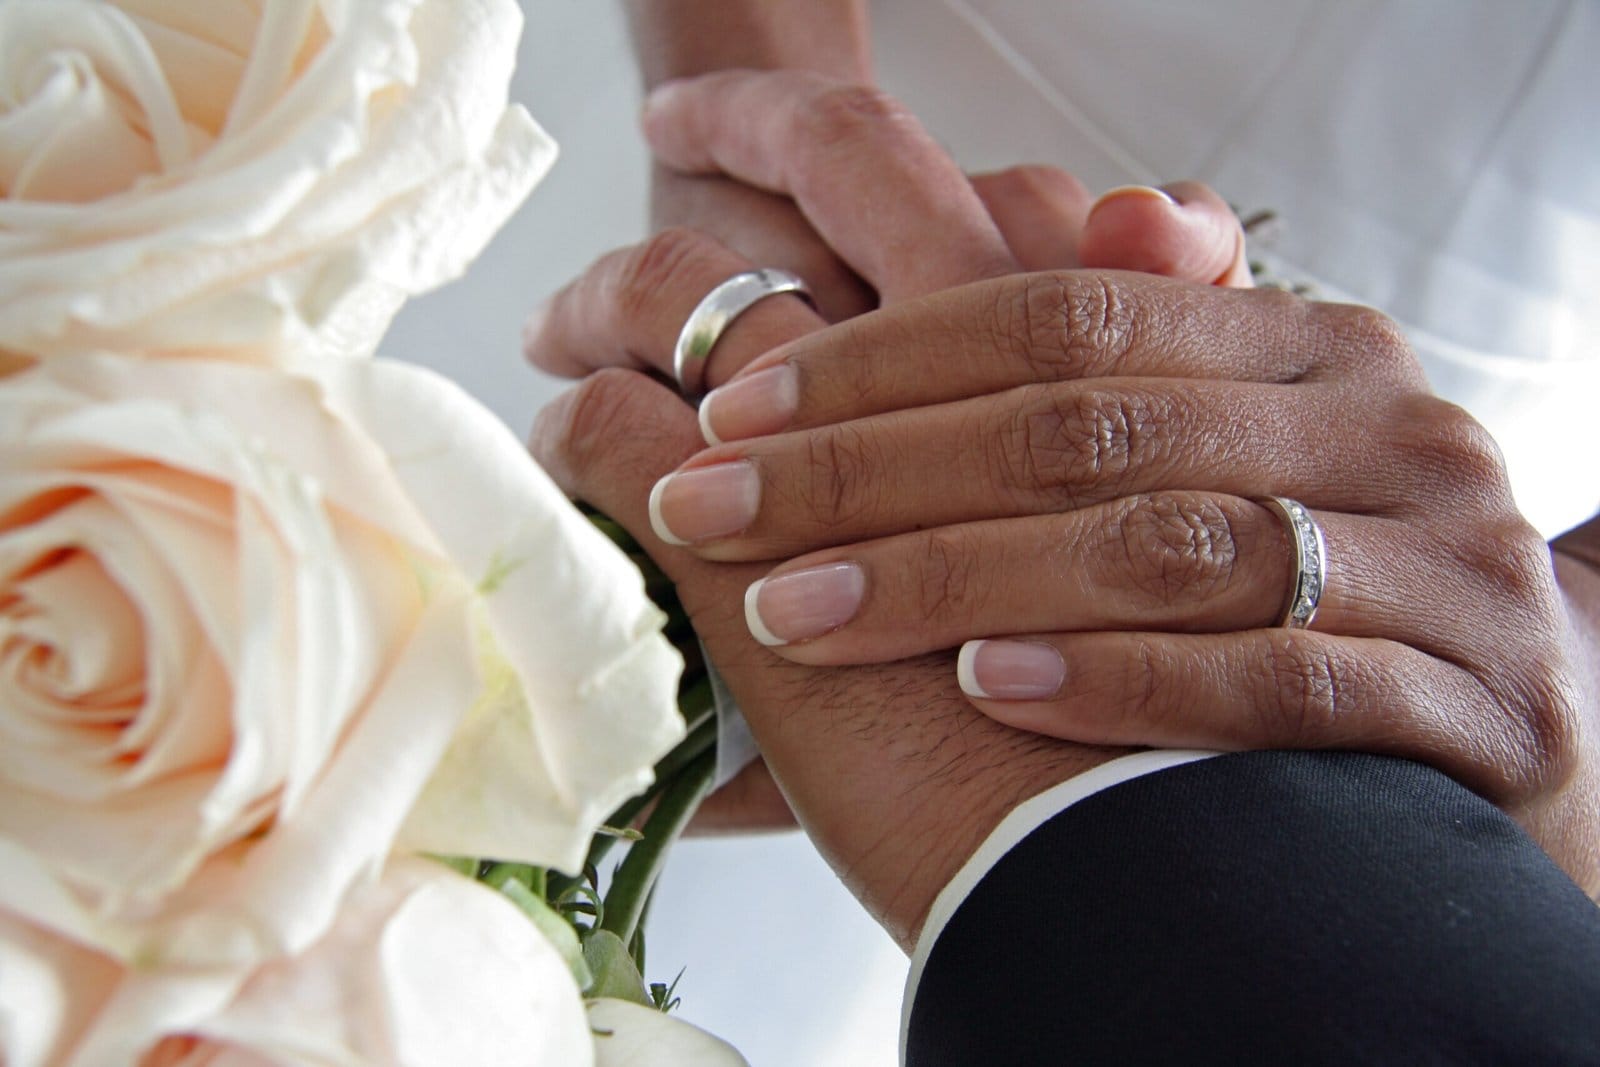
column 630, row 1035
column 292, row 879
column 599, row 681
column 50, row 991
column 421, row 968
column 367, row 154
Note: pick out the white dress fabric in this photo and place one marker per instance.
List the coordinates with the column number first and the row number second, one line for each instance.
column 1436, row 159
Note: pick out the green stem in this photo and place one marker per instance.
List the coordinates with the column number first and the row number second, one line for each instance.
column 636, row 943
column 636, row 876
column 701, row 738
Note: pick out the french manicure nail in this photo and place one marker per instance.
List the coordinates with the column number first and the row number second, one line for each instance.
column 1135, row 190
column 705, row 503
column 762, row 403
column 804, row 604
column 1010, row 670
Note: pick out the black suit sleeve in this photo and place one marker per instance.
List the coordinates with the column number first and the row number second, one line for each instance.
column 1270, row 907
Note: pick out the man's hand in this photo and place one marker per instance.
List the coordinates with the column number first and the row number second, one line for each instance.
column 628, row 308
column 1069, row 462
column 893, row 774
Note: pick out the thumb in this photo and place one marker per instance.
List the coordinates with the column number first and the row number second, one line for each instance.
column 1183, row 231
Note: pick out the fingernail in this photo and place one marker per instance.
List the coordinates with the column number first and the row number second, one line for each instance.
column 705, row 503
column 533, row 325
column 1010, row 670
column 1135, row 190
column 661, row 94
column 803, row 604
column 760, row 403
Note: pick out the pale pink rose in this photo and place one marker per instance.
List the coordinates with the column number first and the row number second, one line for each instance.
column 51, row 990
column 422, row 968
column 329, row 614
column 251, row 180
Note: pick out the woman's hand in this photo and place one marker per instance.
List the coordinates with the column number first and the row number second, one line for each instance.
column 1068, row 462
column 628, row 307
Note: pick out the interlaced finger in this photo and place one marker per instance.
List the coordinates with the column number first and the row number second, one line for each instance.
column 1058, row 326
column 1178, row 561
column 626, row 310
column 1269, row 688
column 1038, row 450
column 877, row 187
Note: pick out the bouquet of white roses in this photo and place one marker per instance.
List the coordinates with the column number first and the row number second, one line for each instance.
column 282, row 624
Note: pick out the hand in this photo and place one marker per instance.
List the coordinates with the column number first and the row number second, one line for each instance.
column 1070, row 460
column 1044, row 214
column 892, row 773
column 896, row 777
column 848, row 139
column 633, row 302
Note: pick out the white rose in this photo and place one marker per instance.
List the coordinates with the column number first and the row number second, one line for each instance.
column 51, row 989
column 247, row 179
column 240, row 604
column 632, row 1035
column 422, row 968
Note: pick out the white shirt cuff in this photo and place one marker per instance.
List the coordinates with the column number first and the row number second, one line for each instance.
column 1023, row 820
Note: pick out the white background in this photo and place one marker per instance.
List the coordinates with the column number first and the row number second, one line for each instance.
column 779, row 959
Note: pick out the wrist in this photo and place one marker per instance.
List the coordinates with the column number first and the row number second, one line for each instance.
column 898, row 867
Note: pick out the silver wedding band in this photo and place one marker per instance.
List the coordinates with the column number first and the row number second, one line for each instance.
column 1310, row 561
column 715, row 313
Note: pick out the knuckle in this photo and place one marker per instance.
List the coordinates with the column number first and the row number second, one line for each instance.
column 1300, row 700
column 852, row 113
column 1452, row 451
column 1545, row 710
column 1516, row 563
column 600, row 410
column 1143, row 684
column 843, row 477
column 1531, row 681
column 1063, row 324
column 1099, row 321
column 1362, row 338
column 1175, row 549
column 949, row 584
column 661, row 264
column 1069, row 444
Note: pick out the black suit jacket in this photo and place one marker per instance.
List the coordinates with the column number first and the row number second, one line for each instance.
column 1275, row 907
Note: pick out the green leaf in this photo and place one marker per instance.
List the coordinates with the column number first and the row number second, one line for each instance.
column 665, row 996
column 613, row 969
column 556, row 930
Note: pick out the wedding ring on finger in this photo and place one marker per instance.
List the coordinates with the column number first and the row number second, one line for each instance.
column 714, row 314
column 1310, row 561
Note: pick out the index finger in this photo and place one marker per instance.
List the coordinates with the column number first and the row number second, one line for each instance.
column 1049, row 326
column 877, row 187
